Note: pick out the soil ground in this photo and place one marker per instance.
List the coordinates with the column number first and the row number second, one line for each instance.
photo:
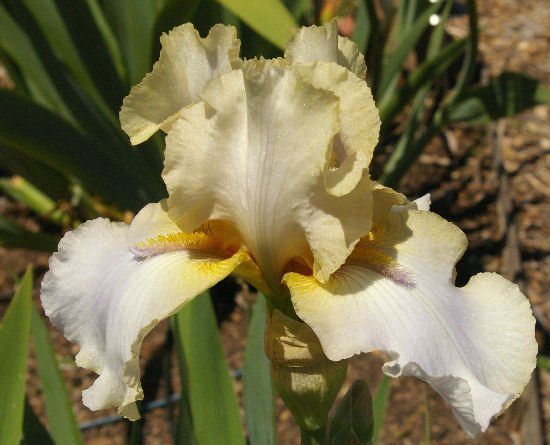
column 493, row 182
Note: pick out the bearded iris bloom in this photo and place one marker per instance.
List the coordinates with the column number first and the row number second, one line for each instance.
column 266, row 166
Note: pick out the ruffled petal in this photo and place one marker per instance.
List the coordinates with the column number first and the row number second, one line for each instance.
column 475, row 345
column 322, row 43
column 110, row 284
column 187, row 62
column 255, row 154
column 359, row 123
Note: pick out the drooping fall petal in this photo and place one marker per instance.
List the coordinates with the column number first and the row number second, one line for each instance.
column 475, row 345
column 110, row 284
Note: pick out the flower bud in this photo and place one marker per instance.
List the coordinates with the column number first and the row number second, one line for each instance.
column 305, row 378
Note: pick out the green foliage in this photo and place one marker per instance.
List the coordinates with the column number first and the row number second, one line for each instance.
column 401, row 92
column 352, row 422
column 63, row 427
column 259, row 407
column 212, row 399
column 14, row 343
column 380, row 403
column 504, row 96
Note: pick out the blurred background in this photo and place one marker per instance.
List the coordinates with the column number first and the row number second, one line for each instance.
column 463, row 93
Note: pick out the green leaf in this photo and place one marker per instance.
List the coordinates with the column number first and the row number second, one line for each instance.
column 506, row 95
column 259, row 407
column 391, row 70
column 15, row 43
column 14, row 344
column 43, row 136
column 362, row 27
column 269, row 18
column 380, row 402
column 109, row 37
column 184, row 434
column 33, row 430
column 352, row 422
column 132, row 23
column 63, row 427
column 15, row 236
column 89, row 114
column 51, row 24
column 428, row 71
column 88, row 39
column 213, row 402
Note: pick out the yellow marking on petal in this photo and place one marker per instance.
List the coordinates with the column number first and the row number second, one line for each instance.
column 199, row 241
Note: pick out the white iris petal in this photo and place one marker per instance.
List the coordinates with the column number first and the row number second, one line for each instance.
column 475, row 345
column 106, row 299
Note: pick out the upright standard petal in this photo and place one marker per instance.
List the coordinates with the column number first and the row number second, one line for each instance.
column 475, row 345
column 359, row 123
column 110, row 284
column 322, row 43
column 255, row 154
column 187, row 62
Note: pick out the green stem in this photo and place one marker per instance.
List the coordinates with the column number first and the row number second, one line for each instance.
column 313, row 437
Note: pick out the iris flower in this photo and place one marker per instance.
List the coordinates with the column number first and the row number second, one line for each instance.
column 266, row 166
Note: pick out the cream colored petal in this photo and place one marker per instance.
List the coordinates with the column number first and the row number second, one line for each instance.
column 187, row 62
column 105, row 292
column 359, row 123
column 475, row 345
column 322, row 43
column 350, row 57
column 313, row 43
column 254, row 155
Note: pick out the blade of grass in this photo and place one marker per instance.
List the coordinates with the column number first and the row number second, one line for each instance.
column 14, row 343
column 88, row 40
column 184, row 434
column 90, row 115
column 109, row 38
column 362, row 27
column 15, row 43
column 379, row 405
column 213, row 402
column 391, row 69
column 63, row 427
column 50, row 22
column 132, row 23
column 269, row 18
column 259, row 406
column 426, row 72
column 468, row 67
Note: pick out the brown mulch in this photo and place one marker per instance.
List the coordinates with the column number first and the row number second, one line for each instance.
column 494, row 183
